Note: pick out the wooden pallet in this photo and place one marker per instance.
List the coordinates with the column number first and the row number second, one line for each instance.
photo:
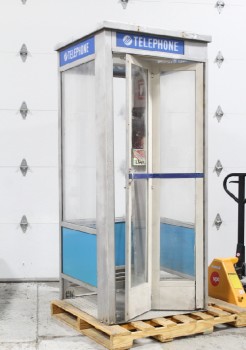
column 121, row 337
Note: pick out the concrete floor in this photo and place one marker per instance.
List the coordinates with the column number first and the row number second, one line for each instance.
column 26, row 324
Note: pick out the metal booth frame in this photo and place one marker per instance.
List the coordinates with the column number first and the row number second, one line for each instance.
column 105, row 46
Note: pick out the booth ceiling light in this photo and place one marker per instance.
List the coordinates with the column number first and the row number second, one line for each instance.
column 124, row 3
column 220, row 5
column 218, row 167
column 24, row 110
column 24, row 167
column 218, row 221
column 24, row 223
column 23, row 52
column 219, row 59
column 219, row 113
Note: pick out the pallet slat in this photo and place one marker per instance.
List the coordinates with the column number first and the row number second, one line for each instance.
column 61, row 306
column 226, row 306
column 119, row 342
column 121, row 337
column 239, row 312
column 142, row 326
column 234, row 309
column 183, row 319
column 215, row 311
column 184, row 330
column 164, row 322
column 202, row 315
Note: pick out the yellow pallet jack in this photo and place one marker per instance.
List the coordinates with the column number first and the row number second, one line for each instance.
column 226, row 276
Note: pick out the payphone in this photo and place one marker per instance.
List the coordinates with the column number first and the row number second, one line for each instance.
column 132, row 172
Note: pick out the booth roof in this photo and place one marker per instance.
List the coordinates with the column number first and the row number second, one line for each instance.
column 126, row 27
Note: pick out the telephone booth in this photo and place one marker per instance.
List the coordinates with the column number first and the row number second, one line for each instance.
column 133, row 172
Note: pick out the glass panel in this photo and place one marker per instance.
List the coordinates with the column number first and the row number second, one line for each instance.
column 119, row 85
column 177, row 155
column 139, row 118
column 139, row 241
column 139, row 164
column 177, row 125
column 120, row 171
column 177, row 229
column 79, row 147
